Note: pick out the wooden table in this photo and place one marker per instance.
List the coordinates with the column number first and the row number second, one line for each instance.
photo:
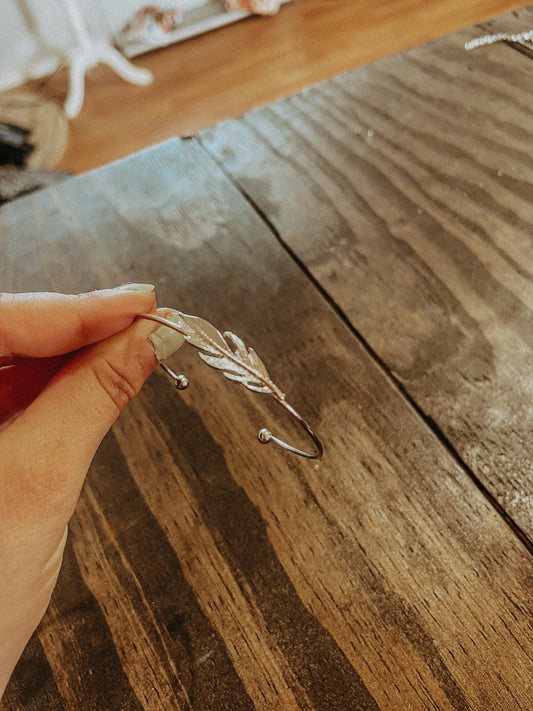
column 372, row 239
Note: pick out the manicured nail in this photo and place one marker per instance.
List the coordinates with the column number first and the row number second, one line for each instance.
column 165, row 340
column 136, row 287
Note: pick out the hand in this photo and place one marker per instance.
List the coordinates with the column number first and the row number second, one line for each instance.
column 68, row 365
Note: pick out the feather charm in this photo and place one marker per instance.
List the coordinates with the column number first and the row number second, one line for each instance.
column 240, row 363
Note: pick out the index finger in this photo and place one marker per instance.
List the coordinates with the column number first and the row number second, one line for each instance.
column 45, row 324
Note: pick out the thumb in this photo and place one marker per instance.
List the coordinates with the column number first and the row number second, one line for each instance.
column 58, row 434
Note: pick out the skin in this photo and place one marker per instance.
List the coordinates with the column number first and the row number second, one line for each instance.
column 68, row 366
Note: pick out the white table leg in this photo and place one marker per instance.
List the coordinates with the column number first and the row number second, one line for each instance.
column 88, row 54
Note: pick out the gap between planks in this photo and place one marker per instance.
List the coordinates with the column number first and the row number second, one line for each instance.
column 526, row 541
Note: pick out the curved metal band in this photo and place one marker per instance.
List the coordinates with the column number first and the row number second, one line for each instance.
column 264, row 436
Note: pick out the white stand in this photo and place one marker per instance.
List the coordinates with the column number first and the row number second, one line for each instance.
column 87, row 54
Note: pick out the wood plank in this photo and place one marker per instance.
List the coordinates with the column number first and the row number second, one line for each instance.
column 379, row 578
column 520, row 20
column 405, row 189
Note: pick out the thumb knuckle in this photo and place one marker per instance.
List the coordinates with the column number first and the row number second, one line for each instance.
column 117, row 384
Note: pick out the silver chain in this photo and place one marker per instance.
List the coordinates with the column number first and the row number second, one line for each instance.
column 500, row 37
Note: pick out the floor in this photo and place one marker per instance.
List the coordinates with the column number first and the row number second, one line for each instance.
column 225, row 73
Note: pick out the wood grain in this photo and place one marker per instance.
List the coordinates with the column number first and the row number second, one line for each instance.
column 208, row 572
column 405, row 189
column 513, row 23
column 223, row 74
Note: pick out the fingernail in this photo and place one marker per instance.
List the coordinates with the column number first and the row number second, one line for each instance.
column 165, row 340
column 136, row 287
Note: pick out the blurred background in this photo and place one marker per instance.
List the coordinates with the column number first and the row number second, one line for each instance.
column 209, row 60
